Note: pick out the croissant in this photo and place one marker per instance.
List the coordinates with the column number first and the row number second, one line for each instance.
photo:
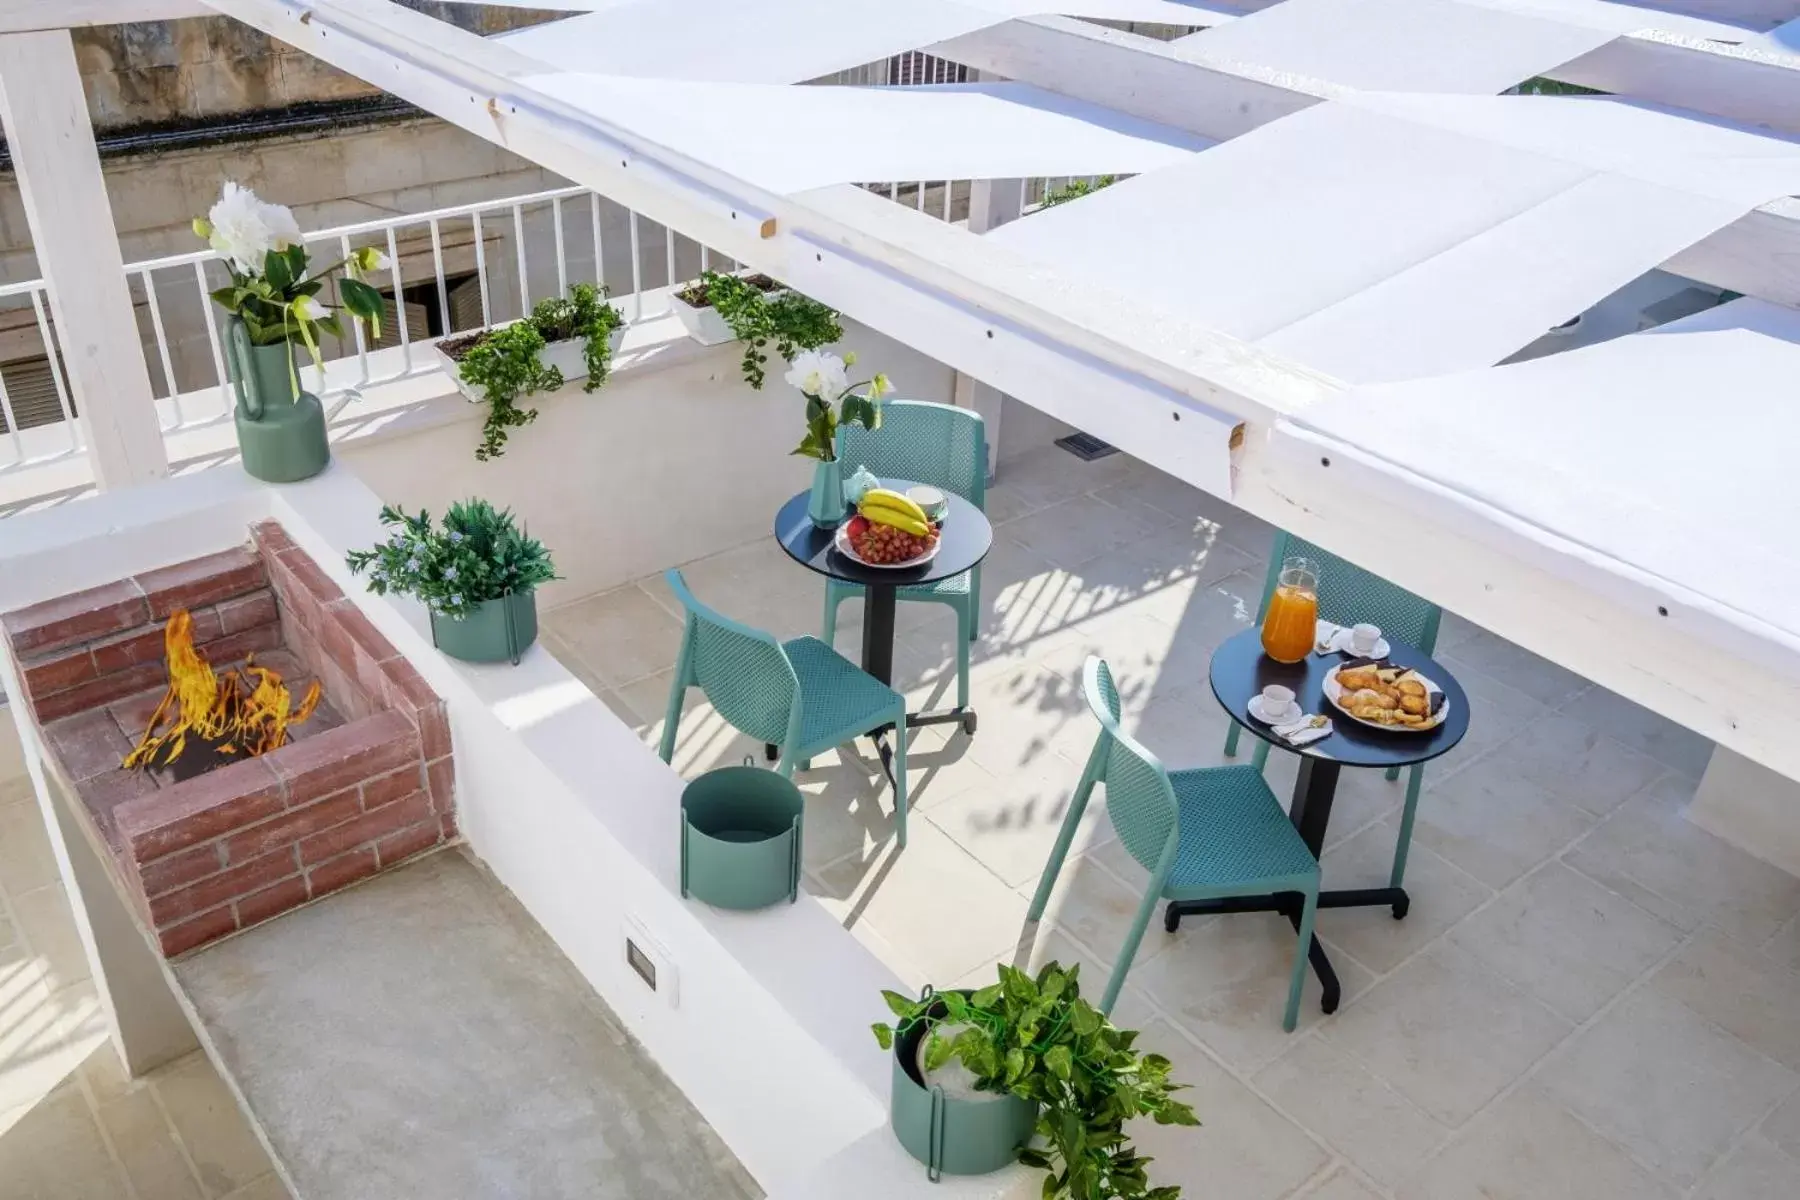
column 1368, row 698
column 1357, row 678
column 1414, row 704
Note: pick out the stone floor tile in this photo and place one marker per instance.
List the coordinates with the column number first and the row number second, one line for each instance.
column 1528, row 1148
column 1092, row 905
column 942, row 910
column 1243, row 1148
column 1495, row 825
column 269, row 1187
column 1364, row 1119
column 1186, row 728
column 1496, row 713
column 1650, row 853
column 1148, row 658
column 1784, row 945
column 1038, row 478
column 142, row 1139
column 1673, row 1089
column 1074, row 531
column 1011, row 823
column 35, row 1060
column 1447, row 1033
column 54, row 1151
column 1441, row 896
column 26, row 860
column 1576, row 763
column 1740, row 991
column 1341, row 1185
column 1783, row 1126
column 1157, row 576
column 623, row 635
column 1519, row 669
column 1150, row 488
column 1026, row 714
column 48, row 927
column 1637, row 727
column 1756, row 1170
column 1225, row 982
column 224, row 1151
column 1566, row 940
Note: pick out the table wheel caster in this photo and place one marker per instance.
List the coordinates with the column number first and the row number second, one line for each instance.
column 1171, row 919
column 1402, row 907
column 771, row 751
column 968, row 723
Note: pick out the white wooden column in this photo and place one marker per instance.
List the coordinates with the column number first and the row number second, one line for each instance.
column 77, row 245
column 992, row 203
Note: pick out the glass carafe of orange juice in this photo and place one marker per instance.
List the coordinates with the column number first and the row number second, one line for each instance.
column 1293, row 615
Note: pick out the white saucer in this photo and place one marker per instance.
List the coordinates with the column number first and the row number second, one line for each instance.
column 1341, row 645
column 1294, row 712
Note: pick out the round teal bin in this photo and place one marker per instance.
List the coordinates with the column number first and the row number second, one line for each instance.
column 740, row 838
column 952, row 1135
column 494, row 631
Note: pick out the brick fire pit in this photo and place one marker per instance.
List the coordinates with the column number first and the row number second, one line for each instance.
column 367, row 782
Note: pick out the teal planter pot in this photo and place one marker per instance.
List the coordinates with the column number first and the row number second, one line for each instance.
column 281, row 431
column 949, row 1134
column 826, row 505
column 741, row 838
column 496, row 631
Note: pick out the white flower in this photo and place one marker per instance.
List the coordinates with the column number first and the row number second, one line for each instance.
column 244, row 229
column 819, row 373
column 369, row 259
column 308, row 308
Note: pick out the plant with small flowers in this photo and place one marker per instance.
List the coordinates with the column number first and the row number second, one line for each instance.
column 478, row 555
column 274, row 291
column 831, row 400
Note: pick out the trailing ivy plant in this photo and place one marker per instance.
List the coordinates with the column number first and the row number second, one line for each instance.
column 506, row 363
column 1075, row 189
column 759, row 314
column 1037, row 1039
column 479, row 554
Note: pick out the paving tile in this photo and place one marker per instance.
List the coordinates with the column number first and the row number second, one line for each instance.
column 1364, row 1119
column 1738, row 990
column 1074, row 531
column 1528, row 1148
column 1010, row 823
column 1447, row 1033
column 35, row 1060
column 1341, row 1186
column 1754, row 1171
column 1670, row 1087
column 1783, row 1126
column 1637, row 727
column 1575, row 762
column 1225, row 982
column 1243, row 1148
column 146, row 1147
column 1650, row 853
column 224, row 1151
column 1441, row 896
column 48, row 924
column 1041, row 477
column 1495, row 825
column 623, row 635
column 26, row 860
column 55, row 1152
column 1091, row 904
column 1026, row 714
column 1157, row 576
column 1496, row 713
column 1566, row 940
column 1519, row 669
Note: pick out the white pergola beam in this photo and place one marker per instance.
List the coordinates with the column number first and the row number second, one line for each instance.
column 76, row 241
column 30, row 16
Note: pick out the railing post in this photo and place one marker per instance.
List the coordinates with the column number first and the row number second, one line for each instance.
column 992, row 203
column 77, row 246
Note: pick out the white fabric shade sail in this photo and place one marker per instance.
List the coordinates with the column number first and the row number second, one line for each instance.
column 956, row 131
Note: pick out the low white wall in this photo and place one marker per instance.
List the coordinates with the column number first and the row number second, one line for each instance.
column 674, row 459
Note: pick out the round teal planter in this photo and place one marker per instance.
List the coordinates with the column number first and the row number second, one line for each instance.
column 496, row 631
column 740, row 838
column 281, row 432
column 953, row 1136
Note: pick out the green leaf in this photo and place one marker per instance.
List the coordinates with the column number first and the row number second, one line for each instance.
column 988, row 996
column 1015, row 1064
column 937, row 1051
column 1061, row 1061
column 884, row 1034
column 1034, row 1158
column 1084, row 1019
column 901, row 1006
column 276, row 271
column 362, row 299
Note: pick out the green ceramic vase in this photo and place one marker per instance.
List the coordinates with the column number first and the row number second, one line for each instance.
column 954, row 1135
column 495, row 631
column 740, row 838
column 281, row 431
column 826, row 504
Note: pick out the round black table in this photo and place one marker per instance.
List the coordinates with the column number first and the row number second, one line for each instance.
column 964, row 539
column 1239, row 671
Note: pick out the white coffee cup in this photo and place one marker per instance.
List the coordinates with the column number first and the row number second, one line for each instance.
column 1363, row 638
column 1277, row 701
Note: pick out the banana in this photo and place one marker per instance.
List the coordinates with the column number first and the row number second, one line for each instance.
column 888, row 498
column 883, row 515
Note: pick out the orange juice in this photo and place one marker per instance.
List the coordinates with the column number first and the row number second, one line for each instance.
column 1293, row 613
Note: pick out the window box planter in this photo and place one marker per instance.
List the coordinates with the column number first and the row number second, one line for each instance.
column 701, row 320
column 741, row 838
column 953, row 1134
column 568, row 356
column 496, row 631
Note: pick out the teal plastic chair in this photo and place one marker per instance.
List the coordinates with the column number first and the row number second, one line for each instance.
column 945, row 447
column 800, row 696
column 1349, row 595
column 1202, row 834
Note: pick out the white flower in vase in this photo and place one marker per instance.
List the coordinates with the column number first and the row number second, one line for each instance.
column 244, row 229
column 819, row 373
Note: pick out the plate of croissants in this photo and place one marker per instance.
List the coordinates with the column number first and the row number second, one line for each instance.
column 1380, row 694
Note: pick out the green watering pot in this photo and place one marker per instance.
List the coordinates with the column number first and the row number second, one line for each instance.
column 281, row 432
column 494, row 631
column 740, row 838
column 954, row 1135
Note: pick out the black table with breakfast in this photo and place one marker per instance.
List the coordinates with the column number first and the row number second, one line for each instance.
column 1412, row 710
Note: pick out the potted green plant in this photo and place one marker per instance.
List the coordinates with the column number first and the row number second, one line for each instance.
column 273, row 302
column 564, row 338
column 1039, row 1062
column 478, row 576
column 1075, row 189
column 831, row 399
column 754, row 310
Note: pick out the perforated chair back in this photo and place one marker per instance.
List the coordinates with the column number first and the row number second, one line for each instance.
column 937, row 444
column 1348, row 595
column 743, row 671
column 1139, row 797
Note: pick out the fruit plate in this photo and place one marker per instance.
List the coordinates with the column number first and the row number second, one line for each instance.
column 1438, row 702
column 842, row 542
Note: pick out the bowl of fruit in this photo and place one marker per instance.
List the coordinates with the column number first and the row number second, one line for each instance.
column 888, row 530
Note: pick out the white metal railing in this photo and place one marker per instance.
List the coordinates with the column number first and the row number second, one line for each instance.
column 62, row 438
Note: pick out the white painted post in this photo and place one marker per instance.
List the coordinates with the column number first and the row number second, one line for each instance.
column 992, row 203
column 77, row 245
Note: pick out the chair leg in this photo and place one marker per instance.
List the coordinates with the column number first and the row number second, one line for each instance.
column 1298, row 980
column 1262, row 754
column 828, row 627
column 672, row 719
column 786, row 766
column 1391, row 774
column 900, row 776
column 965, row 629
column 1231, row 740
column 1064, row 838
column 1403, row 843
column 1146, row 909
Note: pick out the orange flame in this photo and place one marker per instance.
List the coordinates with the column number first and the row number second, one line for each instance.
column 247, row 711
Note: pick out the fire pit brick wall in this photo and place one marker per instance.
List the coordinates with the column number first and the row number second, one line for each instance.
column 245, row 842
